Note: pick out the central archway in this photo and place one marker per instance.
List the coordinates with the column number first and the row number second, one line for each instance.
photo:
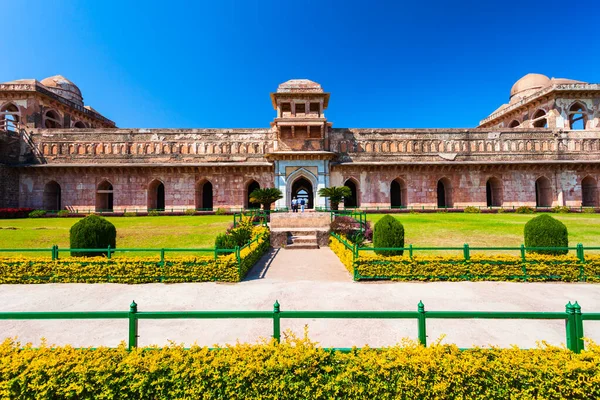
column 302, row 188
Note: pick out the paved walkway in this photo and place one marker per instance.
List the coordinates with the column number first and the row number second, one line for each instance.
column 300, row 280
column 281, row 265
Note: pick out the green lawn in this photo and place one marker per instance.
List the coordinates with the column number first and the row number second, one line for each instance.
column 436, row 229
column 487, row 230
column 148, row 232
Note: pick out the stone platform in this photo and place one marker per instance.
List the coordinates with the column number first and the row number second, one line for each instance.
column 308, row 230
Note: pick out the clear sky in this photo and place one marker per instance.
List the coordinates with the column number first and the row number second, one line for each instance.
column 213, row 64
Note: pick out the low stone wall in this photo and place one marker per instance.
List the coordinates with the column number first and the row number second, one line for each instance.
column 300, row 220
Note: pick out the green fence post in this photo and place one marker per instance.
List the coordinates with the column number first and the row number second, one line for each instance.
column 133, row 326
column 276, row 322
column 578, row 327
column 466, row 252
column 523, row 252
column 216, row 252
column 410, row 250
column 571, row 328
column 108, row 253
column 422, row 325
column 162, row 257
column 54, row 253
column 580, row 254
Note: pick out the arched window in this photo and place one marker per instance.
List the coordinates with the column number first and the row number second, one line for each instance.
column 398, row 194
column 10, row 117
column 352, row 201
column 539, row 119
column 514, row 124
column 493, row 192
column 250, row 187
column 104, row 197
column 52, row 196
column 543, row 192
column 577, row 116
column 79, row 125
column 204, row 195
column 444, row 193
column 589, row 192
column 52, row 120
column 156, row 196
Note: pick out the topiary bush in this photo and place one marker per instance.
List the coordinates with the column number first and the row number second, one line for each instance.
column 63, row 213
column 388, row 232
column 92, row 232
column 472, row 210
column 546, row 231
column 225, row 241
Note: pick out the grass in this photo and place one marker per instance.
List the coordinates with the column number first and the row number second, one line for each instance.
column 145, row 232
column 426, row 230
column 486, row 230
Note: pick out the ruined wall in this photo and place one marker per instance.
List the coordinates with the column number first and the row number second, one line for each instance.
column 468, row 183
column 130, row 185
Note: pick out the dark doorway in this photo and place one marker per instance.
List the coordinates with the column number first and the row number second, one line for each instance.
column 543, row 192
column 204, row 196
column 156, row 196
column 444, row 193
column 303, row 189
column 104, row 197
column 352, row 201
column 493, row 192
column 398, row 194
column 52, row 196
column 253, row 185
column 589, row 192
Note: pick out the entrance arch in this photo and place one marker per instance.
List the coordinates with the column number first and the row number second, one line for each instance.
column 52, row 196
column 493, row 192
column 543, row 192
column 444, row 193
column 104, row 197
column 250, row 187
column 589, row 192
column 156, row 196
column 352, row 201
column 204, row 195
column 302, row 188
column 398, row 193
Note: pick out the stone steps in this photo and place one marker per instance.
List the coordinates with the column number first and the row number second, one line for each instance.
column 303, row 241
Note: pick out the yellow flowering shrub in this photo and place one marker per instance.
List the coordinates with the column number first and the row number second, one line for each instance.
column 225, row 268
column 298, row 369
column 345, row 255
column 480, row 267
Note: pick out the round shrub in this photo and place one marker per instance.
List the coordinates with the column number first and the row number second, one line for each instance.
column 388, row 232
column 546, row 231
column 92, row 232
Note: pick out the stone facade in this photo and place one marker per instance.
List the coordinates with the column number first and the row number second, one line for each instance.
column 57, row 153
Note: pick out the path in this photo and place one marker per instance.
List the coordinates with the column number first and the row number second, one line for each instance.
column 300, row 280
column 281, row 265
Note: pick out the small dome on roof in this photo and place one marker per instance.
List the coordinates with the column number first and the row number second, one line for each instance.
column 299, row 86
column 64, row 88
column 529, row 83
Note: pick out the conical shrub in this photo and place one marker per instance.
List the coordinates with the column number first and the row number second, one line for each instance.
column 387, row 233
column 546, row 231
column 92, row 232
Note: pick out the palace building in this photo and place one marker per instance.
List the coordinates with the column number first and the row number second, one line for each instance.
column 541, row 149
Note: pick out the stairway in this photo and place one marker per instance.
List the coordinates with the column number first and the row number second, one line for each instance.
column 302, row 239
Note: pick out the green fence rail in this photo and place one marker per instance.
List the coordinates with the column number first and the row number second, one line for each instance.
column 259, row 217
column 572, row 316
column 464, row 250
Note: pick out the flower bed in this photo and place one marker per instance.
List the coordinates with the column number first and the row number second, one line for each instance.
column 228, row 268
column 298, row 369
column 477, row 268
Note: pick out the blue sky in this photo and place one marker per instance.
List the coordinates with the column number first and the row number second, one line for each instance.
column 213, row 64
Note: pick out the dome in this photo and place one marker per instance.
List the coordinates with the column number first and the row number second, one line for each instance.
column 564, row 81
column 529, row 83
column 63, row 87
column 299, row 86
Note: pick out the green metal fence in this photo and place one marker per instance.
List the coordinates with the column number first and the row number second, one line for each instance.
column 359, row 216
column 465, row 251
column 572, row 316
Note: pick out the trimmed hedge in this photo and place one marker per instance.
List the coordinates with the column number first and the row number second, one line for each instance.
column 136, row 270
column 92, row 232
column 388, row 233
column 546, row 231
column 298, row 369
column 537, row 268
column 9, row 213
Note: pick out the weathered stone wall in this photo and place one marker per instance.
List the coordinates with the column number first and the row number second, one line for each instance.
column 468, row 183
column 9, row 187
column 130, row 185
